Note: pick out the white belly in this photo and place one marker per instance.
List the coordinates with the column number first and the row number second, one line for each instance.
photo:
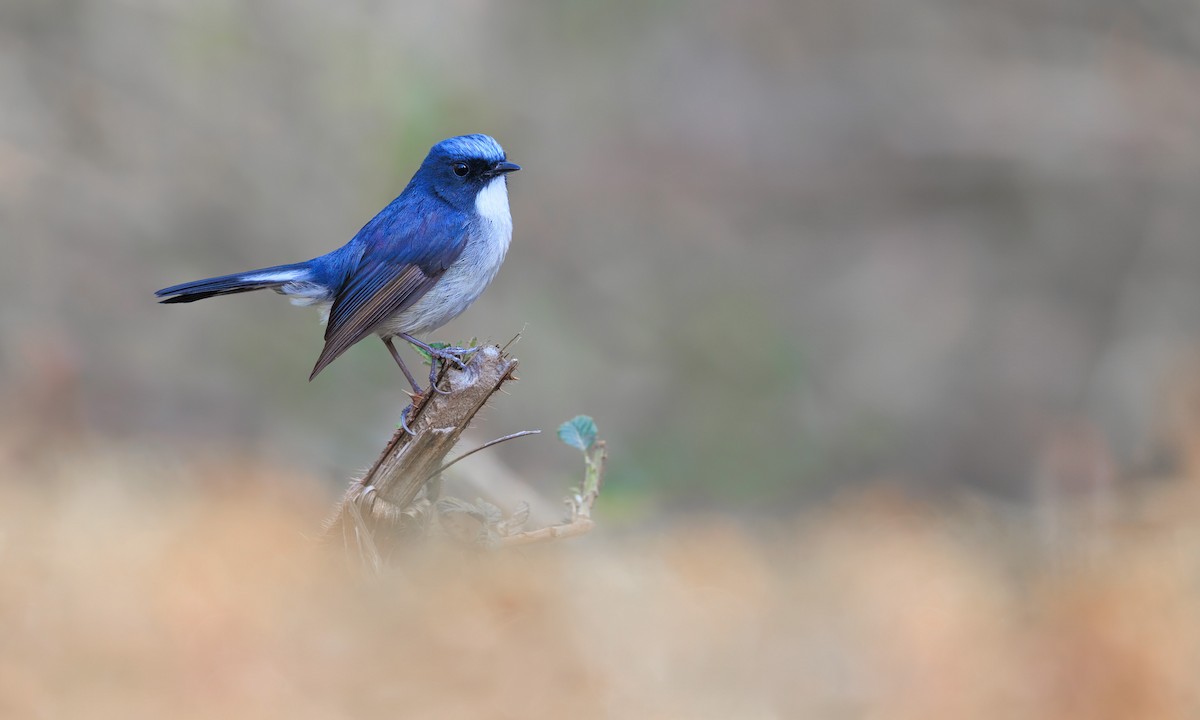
column 466, row 279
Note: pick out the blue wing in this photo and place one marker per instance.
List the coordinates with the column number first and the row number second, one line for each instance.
column 404, row 250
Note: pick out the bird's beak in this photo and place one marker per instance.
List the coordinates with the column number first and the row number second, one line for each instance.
column 501, row 168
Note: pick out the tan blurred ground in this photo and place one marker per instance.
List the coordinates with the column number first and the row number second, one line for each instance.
column 143, row 584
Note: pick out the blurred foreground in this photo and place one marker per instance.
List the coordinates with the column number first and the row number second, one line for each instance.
column 209, row 599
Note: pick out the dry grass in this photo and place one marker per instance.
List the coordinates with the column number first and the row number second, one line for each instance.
column 134, row 588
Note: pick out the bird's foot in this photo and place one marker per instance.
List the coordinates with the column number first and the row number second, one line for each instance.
column 451, row 353
column 456, row 355
column 445, row 353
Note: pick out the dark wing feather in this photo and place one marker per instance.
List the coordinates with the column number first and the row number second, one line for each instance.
column 369, row 306
column 396, row 270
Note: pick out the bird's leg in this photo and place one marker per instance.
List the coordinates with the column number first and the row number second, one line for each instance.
column 411, row 380
column 446, row 354
column 399, row 361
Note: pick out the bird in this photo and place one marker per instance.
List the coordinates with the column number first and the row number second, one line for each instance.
column 412, row 268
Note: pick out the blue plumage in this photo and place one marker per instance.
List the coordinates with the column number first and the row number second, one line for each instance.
column 413, row 267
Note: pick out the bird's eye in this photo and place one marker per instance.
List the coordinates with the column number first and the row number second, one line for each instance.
column 461, row 169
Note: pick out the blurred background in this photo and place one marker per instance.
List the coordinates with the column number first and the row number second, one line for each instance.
column 775, row 248
column 888, row 310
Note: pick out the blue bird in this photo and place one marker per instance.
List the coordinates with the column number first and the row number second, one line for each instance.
column 414, row 267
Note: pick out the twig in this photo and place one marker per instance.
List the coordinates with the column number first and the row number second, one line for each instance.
column 580, row 504
column 515, row 338
column 485, row 446
column 575, row 528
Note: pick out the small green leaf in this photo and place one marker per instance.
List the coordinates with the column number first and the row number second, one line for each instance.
column 579, row 432
column 435, row 345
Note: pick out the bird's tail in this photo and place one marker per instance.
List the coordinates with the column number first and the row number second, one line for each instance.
column 266, row 278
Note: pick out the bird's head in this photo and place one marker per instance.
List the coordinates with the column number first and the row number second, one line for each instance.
column 459, row 168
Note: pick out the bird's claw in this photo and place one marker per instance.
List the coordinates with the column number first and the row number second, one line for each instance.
column 433, row 378
column 404, row 418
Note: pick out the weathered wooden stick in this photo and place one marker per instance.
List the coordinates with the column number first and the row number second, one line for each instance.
column 373, row 512
column 574, row 528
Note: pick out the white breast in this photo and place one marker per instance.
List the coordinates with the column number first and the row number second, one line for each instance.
column 466, row 279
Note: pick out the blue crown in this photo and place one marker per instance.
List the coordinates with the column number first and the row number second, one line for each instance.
column 482, row 147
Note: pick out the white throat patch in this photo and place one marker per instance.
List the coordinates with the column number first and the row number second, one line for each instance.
column 492, row 203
